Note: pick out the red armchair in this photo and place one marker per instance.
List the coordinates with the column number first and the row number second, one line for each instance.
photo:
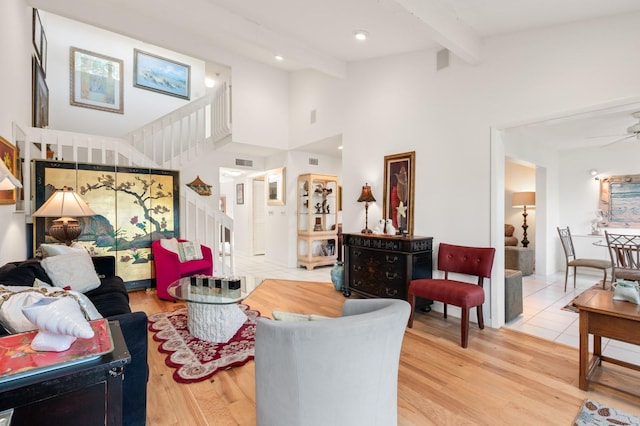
column 476, row 261
column 169, row 268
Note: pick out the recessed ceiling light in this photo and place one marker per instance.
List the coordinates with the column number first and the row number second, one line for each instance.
column 279, row 58
column 361, row 35
column 340, row 147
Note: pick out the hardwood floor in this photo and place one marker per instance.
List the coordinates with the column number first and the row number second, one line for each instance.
column 503, row 377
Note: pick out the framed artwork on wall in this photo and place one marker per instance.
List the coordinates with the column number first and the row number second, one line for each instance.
column 39, row 39
column 161, row 75
column 8, row 155
column 40, row 97
column 275, row 185
column 96, row 81
column 134, row 207
column 399, row 175
column 240, row 193
column 619, row 202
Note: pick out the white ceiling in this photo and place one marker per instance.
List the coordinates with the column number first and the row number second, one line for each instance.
column 319, row 34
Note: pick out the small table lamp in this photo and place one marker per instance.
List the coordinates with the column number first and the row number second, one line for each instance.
column 63, row 204
column 524, row 199
column 367, row 197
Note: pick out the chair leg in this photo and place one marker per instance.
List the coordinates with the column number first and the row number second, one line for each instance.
column 480, row 317
column 445, row 310
column 566, row 276
column 464, row 328
column 604, row 281
column 575, row 273
column 412, row 302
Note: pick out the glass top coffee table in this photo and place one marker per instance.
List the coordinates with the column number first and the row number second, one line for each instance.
column 212, row 304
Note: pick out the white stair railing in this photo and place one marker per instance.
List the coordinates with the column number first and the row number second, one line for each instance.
column 180, row 136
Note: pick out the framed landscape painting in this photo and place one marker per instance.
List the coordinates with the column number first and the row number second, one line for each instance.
column 96, row 81
column 161, row 75
column 399, row 175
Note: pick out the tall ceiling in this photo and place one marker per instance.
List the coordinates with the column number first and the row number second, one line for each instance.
column 319, row 34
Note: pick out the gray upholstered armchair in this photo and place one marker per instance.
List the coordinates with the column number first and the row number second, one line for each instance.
column 338, row 371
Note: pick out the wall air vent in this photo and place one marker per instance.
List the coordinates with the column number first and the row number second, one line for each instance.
column 442, row 59
column 313, row 161
column 246, row 163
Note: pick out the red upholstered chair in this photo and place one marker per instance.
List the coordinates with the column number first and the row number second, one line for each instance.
column 169, row 268
column 476, row 261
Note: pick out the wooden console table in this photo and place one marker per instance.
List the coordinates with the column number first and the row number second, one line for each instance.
column 602, row 316
column 88, row 393
column 383, row 266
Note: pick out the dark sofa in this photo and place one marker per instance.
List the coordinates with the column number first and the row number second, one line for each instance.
column 112, row 301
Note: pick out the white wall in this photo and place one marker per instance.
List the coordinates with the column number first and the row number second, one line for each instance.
column 322, row 94
column 15, row 86
column 140, row 106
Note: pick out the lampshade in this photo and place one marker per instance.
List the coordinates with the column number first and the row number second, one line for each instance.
column 366, row 194
column 63, row 204
column 522, row 199
column 7, row 180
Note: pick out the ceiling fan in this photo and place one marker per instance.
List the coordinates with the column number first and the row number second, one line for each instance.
column 633, row 131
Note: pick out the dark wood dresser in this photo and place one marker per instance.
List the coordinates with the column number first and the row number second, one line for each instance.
column 383, row 266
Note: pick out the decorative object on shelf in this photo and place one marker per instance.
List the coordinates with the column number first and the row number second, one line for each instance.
column 597, row 223
column 161, row 75
column 275, row 185
column 87, row 68
column 318, row 225
column 200, row 187
column 399, row 177
column 63, row 204
column 524, row 200
column 388, row 227
column 337, row 275
column 60, row 322
column 367, row 197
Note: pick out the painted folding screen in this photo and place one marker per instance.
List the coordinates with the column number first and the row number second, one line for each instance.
column 134, row 206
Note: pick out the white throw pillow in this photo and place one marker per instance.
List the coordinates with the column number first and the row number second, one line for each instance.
column 56, row 249
column 14, row 298
column 74, row 270
column 189, row 250
column 292, row 316
column 170, row 244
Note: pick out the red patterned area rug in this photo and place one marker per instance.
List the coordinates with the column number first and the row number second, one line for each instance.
column 194, row 359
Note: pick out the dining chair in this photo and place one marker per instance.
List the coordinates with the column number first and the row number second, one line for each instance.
column 575, row 262
column 625, row 256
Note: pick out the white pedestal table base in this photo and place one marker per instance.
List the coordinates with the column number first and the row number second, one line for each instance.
column 214, row 323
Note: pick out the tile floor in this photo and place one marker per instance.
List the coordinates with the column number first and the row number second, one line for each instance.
column 544, row 298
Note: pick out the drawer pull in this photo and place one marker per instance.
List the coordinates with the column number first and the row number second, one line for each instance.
column 357, row 253
column 357, row 268
column 391, row 259
column 391, row 276
column 391, row 291
column 356, row 283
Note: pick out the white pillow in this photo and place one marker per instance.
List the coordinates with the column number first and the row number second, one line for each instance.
column 56, row 249
column 292, row 316
column 11, row 316
column 170, row 244
column 189, row 250
column 74, row 270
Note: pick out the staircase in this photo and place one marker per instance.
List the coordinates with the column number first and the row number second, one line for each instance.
column 170, row 142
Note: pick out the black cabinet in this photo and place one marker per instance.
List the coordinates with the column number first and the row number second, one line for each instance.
column 88, row 393
column 383, row 266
